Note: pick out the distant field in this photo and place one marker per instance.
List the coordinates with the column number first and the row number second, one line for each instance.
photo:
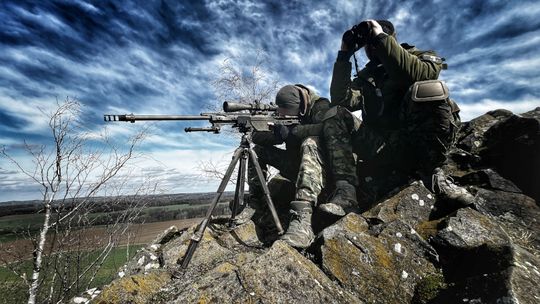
column 142, row 234
column 147, row 232
column 12, row 289
column 21, row 219
column 11, row 226
column 19, row 222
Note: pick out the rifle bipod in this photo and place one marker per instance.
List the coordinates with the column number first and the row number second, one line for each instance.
column 241, row 155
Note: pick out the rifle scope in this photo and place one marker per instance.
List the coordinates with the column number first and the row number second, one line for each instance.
column 235, row 107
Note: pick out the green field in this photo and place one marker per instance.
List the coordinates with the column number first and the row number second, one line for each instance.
column 11, row 224
column 13, row 290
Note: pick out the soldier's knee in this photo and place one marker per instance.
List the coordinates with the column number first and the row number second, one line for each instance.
column 341, row 121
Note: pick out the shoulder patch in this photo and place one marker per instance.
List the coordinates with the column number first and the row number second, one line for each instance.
column 434, row 59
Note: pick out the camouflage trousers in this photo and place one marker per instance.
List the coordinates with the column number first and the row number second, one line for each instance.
column 304, row 166
column 419, row 147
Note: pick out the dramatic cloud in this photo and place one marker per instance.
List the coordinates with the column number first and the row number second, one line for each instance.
column 160, row 57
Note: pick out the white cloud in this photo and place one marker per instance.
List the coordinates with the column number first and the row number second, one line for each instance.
column 522, row 65
column 175, row 170
column 321, row 19
column 401, row 17
column 517, row 11
column 473, row 110
column 29, row 110
column 87, row 6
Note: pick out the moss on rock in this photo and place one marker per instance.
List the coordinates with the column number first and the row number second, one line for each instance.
column 133, row 289
column 429, row 288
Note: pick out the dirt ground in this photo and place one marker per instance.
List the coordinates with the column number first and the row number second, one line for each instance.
column 145, row 233
column 93, row 237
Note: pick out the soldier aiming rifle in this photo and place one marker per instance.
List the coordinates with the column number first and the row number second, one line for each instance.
column 259, row 118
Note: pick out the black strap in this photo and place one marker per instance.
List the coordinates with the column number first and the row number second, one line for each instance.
column 356, row 65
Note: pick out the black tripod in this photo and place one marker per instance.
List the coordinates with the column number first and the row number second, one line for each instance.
column 242, row 154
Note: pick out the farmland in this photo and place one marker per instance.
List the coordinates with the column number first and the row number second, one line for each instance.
column 20, row 221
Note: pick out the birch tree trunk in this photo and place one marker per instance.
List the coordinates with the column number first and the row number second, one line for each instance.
column 38, row 255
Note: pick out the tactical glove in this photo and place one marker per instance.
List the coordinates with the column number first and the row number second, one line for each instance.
column 281, row 132
column 349, row 40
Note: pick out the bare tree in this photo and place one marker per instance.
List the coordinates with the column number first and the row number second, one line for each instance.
column 71, row 173
column 236, row 82
column 245, row 84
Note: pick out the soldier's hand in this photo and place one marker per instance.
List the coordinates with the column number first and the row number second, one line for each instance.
column 281, row 132
column 347, row 41
column 376, row 28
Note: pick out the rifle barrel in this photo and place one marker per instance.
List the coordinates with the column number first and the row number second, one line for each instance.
column 133, row 118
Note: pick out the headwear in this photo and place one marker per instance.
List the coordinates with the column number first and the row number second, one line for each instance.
column 387, row 27
column 294, row 98
column 288, row 97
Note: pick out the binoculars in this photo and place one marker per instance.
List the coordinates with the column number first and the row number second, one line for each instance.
column 357, row 37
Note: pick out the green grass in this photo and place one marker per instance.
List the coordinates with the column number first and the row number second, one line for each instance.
column 14, row 291
column 11, row 224
column 148, row 210
column 168, row 208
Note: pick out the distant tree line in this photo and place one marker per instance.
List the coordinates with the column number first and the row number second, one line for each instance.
column 103, row 204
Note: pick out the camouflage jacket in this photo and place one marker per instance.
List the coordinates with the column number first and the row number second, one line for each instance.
column 379, row 88
column 310, row 124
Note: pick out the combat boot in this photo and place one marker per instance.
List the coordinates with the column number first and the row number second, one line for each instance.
column 300, row 234
column 343, row 201
column 444, row 186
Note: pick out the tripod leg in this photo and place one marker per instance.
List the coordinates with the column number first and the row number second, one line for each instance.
column 198, row 234
column 239, row 192
column 266, row 191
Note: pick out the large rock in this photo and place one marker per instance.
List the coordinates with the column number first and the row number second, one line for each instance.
column 411, row 205
column 512, row 147
column 471, row 137
column 500, row 140
column 280, row 275
column 482, row 264
column 489, row 179
column 512, row 279
column 382, row 268
column 517, row 213
column 468, row 230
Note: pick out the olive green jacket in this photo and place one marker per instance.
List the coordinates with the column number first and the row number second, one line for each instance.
column 379, row 88
column 310, row 124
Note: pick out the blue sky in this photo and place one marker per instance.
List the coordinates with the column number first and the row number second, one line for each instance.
column 150, row 57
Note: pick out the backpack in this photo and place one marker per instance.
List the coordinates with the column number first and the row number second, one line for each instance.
column 428, row 108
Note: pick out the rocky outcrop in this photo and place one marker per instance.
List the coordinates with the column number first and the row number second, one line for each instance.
column 482, row 262
column 360, row 259
column 410, row 247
